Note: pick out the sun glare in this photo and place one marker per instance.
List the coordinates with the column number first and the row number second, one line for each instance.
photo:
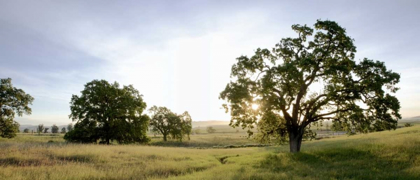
column 255, row 106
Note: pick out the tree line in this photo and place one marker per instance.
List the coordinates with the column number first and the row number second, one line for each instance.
column 104, row 112
column 357, row 96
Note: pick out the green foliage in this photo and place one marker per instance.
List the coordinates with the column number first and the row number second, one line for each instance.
column 210, row 129
column 63, row 130
column 12, row 101
column 46, row 130
column 54, row 129
column 167, row 123
column 40, row 128
column 311, row 78
column 408, row 125
column 69, row 127
column 106, row 112
column 26, row 130
column 8, row 128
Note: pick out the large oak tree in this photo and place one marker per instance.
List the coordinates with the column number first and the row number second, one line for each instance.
column 105, row 111
column 311, row 78
column 13, row 102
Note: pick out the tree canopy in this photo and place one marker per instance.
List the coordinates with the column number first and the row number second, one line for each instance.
column 311, row 78
column 54, row 129
column 13, row 102
column 40, row 128
column 106, row 112
column 165, row 122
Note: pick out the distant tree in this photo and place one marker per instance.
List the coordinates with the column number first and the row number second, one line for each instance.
column 165, row 122
column 46, row 130
column 311, row 79
column 69, row 127
column 54, row 129
column 12, row 101
column 408, row 124
column 63, row 130
column 186, row 124
column 106, row 112
column 197, row 131
column 26, row 130
column 210, row 129
column 40, row 128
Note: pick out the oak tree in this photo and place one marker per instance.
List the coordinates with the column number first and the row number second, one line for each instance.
column 168, row 123
column 63, row 130
column 54, row 129
column 40, row 128
column 308, row 79
column 13, row 102
column 105, row 111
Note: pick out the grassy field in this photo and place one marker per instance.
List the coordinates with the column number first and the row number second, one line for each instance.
column 382, row 155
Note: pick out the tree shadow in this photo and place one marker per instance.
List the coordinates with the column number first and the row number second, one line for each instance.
column 337, row 163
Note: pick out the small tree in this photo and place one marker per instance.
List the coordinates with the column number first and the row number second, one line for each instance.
column 54, row 129
column 46, row 130
column 12, row 101
column 210, row 129
column 26, row 130
column 40, row 128
column 165, row 122
column 69, row 127
column 197, row 131
column 408, row 124
column 63, row 130
column 186, row 124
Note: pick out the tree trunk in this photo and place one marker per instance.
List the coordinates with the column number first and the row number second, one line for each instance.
column 295, row 141
column 107, row 140
column 164, row 137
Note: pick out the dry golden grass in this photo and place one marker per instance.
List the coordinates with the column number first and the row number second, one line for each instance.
column 383, row 155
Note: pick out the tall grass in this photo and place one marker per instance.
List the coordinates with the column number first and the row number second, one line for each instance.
column 382, row 155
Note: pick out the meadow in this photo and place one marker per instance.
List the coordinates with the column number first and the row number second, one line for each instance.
column 381, row 155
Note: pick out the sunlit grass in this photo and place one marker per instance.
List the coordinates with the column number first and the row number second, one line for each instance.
column 382, row 155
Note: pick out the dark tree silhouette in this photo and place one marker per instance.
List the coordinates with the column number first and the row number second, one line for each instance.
column 54, row 129
column 40, row 128
column 63, row 130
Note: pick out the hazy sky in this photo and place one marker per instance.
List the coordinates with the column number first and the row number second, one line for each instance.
column 178, row 54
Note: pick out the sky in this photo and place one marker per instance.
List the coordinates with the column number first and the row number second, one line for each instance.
column 179, row 54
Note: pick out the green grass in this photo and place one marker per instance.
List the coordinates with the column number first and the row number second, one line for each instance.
column 382, row 155
column 207, row 140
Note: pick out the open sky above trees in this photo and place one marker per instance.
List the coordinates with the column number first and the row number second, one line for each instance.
column 179, row 54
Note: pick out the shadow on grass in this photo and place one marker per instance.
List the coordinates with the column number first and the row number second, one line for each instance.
column 337, row 163
column 11, row 161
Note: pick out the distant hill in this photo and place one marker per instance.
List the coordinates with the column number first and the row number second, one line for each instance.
column 415, row 117
column 208, row 123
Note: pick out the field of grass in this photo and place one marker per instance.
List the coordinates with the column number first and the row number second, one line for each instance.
column 382, row 155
